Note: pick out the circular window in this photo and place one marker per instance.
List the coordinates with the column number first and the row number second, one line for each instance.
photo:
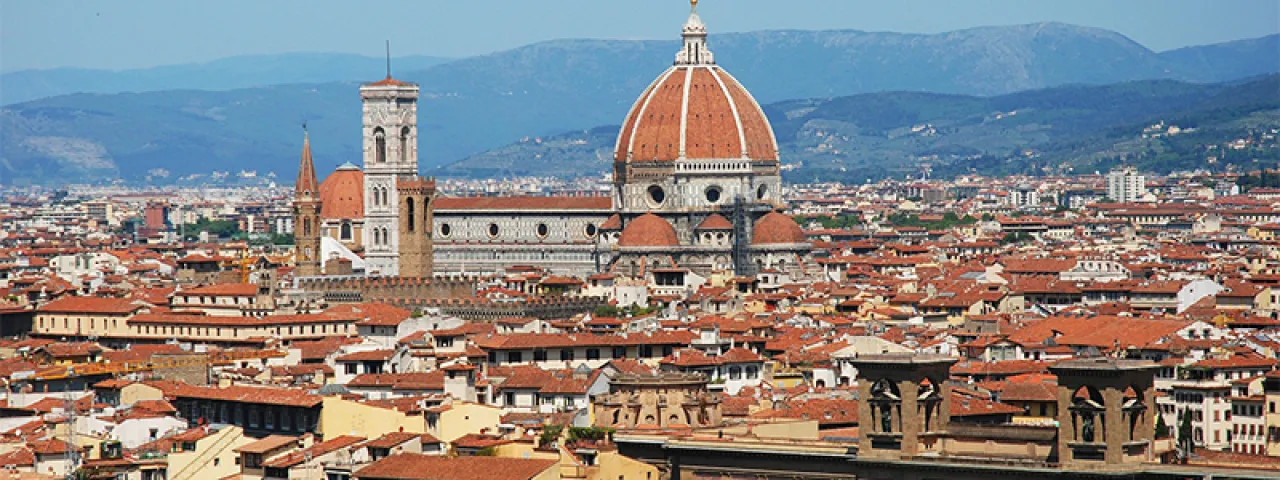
column 591, row 230
column 493, row 229
column 762, row 192
column 445, row 229
column 713, row 194
column 657, row 195
column 542, row 230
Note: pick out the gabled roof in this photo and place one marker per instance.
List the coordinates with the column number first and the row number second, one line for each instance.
column 98, row 305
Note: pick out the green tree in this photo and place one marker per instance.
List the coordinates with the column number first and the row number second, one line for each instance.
column 1162, row 429
column 1185, row 442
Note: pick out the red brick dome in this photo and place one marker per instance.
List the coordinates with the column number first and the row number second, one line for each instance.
column 695, row 112
column 648, row 230
column 715, row 222
column 776, row 228
column 342, row 194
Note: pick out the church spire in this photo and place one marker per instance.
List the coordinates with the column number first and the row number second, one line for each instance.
column 694, row 50
column 306, row 184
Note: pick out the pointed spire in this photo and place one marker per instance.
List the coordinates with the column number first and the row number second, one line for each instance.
column 306, row 184
column 694, row 51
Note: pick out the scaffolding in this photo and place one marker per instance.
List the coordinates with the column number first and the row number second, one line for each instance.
column 742, row 265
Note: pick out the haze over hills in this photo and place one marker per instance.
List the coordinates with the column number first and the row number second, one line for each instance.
column 222, row 74
column 476, row 104
column 873, row 135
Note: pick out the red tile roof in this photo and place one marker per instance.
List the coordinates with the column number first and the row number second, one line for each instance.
column 414, row 466
column 367, row 356
column 239, row 393
column 97, row 305
column 314, row 451
column 222, row 290
column 389, row 82
column 374, row 313
column 267, row 444
column 648, row 230
column 524, row 203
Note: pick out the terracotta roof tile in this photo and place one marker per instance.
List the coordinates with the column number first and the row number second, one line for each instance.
column 414, row 466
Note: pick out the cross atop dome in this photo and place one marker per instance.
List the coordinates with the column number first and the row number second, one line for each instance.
column 694, row 51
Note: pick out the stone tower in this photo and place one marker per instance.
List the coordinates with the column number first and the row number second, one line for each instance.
column 904, row 403
column 416, row 220
column 1106, row 411
column 306, row 215
column 390, row 111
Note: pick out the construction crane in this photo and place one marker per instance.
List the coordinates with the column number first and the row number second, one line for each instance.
column 244, row 263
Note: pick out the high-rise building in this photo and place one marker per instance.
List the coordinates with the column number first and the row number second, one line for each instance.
column 1126, row 185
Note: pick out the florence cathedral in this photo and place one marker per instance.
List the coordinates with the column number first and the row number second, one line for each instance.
column 696, row 190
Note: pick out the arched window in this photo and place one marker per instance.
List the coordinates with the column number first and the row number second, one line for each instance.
column 404, row 144
column 379, row 145
column 386, row 238
column 384, row 196
column 408, row 203
column 306, row 226
column 377, row 236
column 345, row 232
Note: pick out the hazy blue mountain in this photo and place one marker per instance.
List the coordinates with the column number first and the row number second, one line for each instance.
column 482, row 103
column 1224, row 61
column 874, row 135
column 223, row 74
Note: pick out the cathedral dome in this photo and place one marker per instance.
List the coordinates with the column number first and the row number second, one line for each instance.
column 342, row 194
column 715, row 222
column 776, row 228
column 648, row 230
column 695, row 110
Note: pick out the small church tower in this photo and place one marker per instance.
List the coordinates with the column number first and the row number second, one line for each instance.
column 417, row 217
column 306, row 214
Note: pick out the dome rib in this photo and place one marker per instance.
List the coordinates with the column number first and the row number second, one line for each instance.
column 758, row 137
column 633, row 117
column 684, row 112
column 696, row 112
column 737, row 119
column 636, row 116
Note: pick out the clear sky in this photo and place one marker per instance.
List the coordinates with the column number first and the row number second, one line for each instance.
column 142, row 33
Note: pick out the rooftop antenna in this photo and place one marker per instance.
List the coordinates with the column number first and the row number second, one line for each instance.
column 388, row 58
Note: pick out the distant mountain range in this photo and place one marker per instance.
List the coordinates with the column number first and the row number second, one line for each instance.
column 222, row 74
column 874, row 135
column 478, row 104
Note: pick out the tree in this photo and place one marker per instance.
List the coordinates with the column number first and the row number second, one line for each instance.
column 1162, row 429
column 1185, row 442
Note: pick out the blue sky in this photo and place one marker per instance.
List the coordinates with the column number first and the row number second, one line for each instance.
column 142, row 33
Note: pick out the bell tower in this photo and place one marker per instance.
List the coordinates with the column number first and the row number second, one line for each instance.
column 416, row 221
column 390, row 113
column 306, row 214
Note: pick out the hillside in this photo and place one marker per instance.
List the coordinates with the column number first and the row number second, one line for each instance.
column 482, row 103
column 857, row 137
column 223, row 74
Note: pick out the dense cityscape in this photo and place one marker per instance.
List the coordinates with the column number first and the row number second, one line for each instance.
column 686, row 315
